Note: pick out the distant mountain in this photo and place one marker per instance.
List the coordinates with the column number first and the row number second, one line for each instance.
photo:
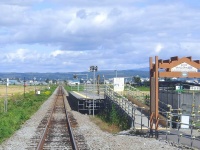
column 69, row 75
column 143, row 69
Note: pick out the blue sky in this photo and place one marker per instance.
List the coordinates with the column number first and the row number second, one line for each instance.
column 66, row 36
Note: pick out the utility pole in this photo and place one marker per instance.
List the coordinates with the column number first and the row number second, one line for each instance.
column 24, row 86
column 6, row 99
column 34, row 83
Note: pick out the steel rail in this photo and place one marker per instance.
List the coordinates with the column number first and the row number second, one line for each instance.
column 45, row 133
column 73, row 141
column 41, row 143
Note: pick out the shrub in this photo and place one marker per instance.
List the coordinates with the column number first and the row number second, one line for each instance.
column 114, row 116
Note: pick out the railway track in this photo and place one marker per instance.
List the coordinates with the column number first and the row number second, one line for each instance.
column 57, row 130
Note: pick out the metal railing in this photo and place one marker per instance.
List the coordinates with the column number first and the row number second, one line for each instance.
column 137, row 94
column 139, row 120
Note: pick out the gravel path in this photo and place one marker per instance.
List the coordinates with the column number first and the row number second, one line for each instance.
column 95, row 138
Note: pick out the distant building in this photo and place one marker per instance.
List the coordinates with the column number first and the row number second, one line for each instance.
column 73, row 82
column 14, row 82
column 195, row 88
column 144, row 79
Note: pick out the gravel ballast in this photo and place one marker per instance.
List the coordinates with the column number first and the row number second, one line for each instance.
column 98, row 139
column 95, row 138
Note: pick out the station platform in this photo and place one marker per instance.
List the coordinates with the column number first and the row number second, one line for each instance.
column 88, row 103
column 89, row 95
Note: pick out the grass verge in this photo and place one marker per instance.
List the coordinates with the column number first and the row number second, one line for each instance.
column 20, row 109
column 111, row 128
column 143, row 88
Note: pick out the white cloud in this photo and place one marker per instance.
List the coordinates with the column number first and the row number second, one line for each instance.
column 23, row 56
column 57, row 52
column 158, row 48
column 12, row 15
column 99, row 19
column 20, row 55
column 78, row 33
column 18, row 2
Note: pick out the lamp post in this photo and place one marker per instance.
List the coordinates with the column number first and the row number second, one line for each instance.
column 93, row 69
column 86, row 85
column 76, row 77
column 86, row 80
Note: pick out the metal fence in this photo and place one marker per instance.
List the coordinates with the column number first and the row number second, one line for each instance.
column 173, row 128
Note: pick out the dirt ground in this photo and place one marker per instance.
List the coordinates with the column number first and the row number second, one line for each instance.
column 13, row 89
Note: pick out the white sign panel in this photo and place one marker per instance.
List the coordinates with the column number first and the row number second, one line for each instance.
column 185, row 120
column 7, row 82
column 178, row 87
column 118, row 84
column 194, row 88
column 184, row 67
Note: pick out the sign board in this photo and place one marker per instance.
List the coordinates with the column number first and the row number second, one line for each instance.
column 178, row 87
column 185, row 122
column 118, row 84
column 184, row 67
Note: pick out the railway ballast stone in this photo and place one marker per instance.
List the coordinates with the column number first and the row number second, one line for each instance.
column 94, row 136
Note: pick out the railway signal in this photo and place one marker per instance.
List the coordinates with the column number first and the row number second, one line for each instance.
column 93, row 69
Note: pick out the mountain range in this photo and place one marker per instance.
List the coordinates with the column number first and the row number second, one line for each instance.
column 144, row 73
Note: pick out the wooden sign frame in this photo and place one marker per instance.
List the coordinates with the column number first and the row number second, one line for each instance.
column 173, row 67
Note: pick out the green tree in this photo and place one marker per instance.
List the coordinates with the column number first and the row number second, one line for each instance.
column 47, row 80
column 137, row 79
column 167, row 79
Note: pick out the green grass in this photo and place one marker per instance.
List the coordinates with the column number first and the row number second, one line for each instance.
column 20, row 109
column 197, row 124
column 111, row 128
column 142, row 88
column 74, row 88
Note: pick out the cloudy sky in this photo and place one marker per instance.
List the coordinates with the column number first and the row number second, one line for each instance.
column 71, row 35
